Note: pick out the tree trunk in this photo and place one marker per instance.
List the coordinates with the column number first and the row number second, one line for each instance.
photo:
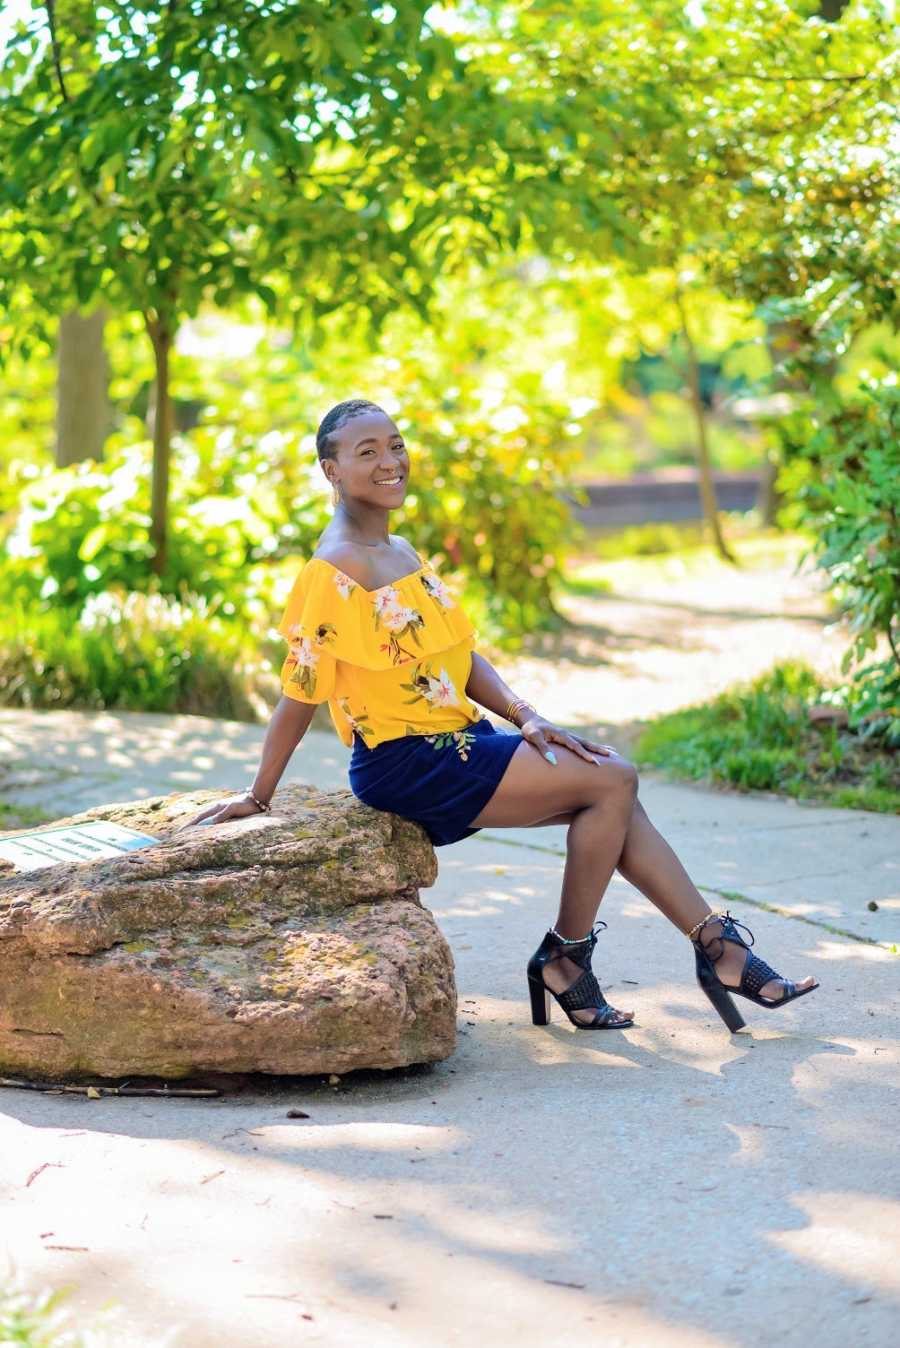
column 707, row 486
column 831, row 10
column 161, row 336
column 768, row 499
column 83, row 414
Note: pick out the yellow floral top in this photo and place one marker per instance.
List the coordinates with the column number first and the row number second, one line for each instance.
column 389, row 662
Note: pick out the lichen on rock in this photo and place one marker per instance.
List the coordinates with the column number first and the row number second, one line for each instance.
column 290, row 942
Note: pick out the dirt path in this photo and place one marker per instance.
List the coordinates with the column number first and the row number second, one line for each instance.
column 671, row 631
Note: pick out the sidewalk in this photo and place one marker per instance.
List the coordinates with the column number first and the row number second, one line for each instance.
column 666, row 1185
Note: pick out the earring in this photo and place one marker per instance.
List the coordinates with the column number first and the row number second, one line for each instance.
column 335, row 494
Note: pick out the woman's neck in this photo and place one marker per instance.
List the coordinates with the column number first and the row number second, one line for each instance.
column 354, row 530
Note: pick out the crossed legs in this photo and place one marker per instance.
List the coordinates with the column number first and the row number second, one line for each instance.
column 609, row 830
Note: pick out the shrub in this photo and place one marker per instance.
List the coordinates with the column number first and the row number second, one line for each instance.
column 758, row 736
column 133, row 651
column 843, row 472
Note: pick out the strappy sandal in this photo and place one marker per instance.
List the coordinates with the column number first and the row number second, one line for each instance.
column 583, row 995
column 754, row 975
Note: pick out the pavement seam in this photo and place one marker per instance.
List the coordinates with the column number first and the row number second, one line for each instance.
column 733, row 894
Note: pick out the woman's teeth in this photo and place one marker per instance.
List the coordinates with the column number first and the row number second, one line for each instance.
column 388, row 482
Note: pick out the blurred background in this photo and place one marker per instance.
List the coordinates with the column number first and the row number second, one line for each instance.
column 624, row 275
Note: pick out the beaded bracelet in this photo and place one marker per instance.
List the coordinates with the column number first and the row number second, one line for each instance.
column 266, row 809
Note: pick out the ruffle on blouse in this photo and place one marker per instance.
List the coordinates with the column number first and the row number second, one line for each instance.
column 330, row 617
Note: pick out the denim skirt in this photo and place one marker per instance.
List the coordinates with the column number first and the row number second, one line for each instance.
column 442, row 780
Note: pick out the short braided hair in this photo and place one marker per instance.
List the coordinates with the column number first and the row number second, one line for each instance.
column 337, row 417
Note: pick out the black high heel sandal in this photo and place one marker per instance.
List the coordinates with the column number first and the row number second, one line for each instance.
column 754, row 975
column 583, row 995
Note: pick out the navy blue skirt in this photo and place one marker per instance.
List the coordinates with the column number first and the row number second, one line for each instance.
column 442, row 780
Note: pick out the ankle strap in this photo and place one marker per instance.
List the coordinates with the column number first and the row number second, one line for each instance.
column 702, row 923
column 580, row 940
column 729, row 929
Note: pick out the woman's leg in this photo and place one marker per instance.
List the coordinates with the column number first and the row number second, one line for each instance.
column 649, row 863
column 599, row 797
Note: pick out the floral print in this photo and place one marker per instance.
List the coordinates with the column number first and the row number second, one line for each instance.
column 438, row 590
column 305, row 657
column 435, row 690
column 379, row 656
column 400, row 621
column 345, row 584
column 461, row 739
column 356, row 723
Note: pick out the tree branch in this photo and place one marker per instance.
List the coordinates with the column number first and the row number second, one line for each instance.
column 51, row 18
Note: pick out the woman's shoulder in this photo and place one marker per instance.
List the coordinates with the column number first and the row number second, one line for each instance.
column 348, row 558
column 355, row 559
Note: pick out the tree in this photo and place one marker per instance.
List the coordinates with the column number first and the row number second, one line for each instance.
column 82, row 403
column 748, row 145
column 312, row 154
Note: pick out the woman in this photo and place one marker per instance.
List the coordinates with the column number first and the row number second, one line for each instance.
column 372, row 630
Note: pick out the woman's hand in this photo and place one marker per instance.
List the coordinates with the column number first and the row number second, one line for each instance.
column 539, row 732
column 236, row 808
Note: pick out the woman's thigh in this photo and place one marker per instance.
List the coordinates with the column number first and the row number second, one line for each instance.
column 533, row 791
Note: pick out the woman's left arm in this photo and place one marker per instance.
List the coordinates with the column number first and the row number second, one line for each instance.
column 486, row 687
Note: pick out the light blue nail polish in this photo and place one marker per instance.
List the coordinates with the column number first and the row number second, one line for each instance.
column 552, row 756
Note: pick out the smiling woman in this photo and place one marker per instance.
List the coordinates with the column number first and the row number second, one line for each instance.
column 376, row 633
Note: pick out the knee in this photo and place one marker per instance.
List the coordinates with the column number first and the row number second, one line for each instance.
column 628, row 776
column 620, row 780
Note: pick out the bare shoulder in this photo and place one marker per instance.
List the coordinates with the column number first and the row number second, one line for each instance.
column 351, row 558
column 407, row 548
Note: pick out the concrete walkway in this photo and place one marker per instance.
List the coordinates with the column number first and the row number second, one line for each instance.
column 663, row 1185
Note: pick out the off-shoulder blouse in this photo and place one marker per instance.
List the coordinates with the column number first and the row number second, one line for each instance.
column 389, row 662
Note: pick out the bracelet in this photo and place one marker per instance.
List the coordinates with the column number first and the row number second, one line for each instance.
column 266, row 809
column 702, row 922
column 566, row 940
column 516, row 705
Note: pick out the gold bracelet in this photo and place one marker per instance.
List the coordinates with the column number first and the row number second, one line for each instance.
column 515, row 706
column 690, row 934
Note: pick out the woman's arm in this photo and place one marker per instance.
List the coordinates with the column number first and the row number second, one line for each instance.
column 289, row 723
column 486, row 687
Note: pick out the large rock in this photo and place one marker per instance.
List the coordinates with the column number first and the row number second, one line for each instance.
column 285, row 943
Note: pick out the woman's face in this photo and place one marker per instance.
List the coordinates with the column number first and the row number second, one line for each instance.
column 372, row 463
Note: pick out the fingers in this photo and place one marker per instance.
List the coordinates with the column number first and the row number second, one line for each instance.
column 581, row 747
column 586, row 748
column 205, row 816
column 597, row 748
column 200, row 819
column 536, row 738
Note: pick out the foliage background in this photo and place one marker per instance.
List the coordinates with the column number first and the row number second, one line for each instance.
column 553, row 242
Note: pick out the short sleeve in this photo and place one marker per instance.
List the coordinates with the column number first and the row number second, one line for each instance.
column 307, row 624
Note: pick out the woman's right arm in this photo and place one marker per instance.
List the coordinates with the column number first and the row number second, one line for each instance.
column 289, row 723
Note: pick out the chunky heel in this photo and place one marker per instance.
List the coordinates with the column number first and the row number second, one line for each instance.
column 715, row 991
column 582, row 995
column 754, row 974
column 540, row 1002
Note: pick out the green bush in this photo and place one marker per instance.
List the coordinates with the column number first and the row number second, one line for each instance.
column 758, row 736
column 83, row 530
column 133, row 651
column 843, row 476
column 484, row 499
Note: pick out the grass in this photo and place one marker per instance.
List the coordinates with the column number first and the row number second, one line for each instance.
column 21, row 816
column 757, row 737
column 36, row 1320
